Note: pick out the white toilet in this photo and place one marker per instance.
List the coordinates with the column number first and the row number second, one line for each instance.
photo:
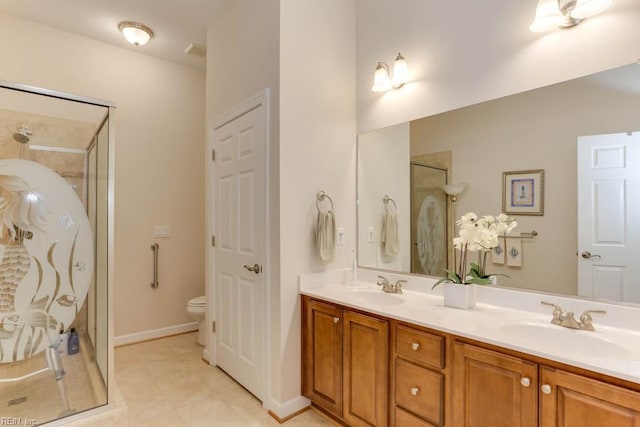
column 196, row 309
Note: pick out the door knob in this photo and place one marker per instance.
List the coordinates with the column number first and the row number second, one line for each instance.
column 526, row 382
column 256, row 268
column 589, row 255
column 546, row 389
column 414, row 391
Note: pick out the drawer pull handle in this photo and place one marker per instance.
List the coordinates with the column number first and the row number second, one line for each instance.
column 415, row 346
column 546, row 389
column 526, row 382
column 415, row 391
column 336, row 319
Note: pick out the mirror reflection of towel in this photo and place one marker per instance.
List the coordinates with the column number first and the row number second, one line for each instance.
column 326, row 236
column 389, row 236
column 514, row 251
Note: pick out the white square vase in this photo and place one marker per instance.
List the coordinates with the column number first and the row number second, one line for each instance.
column 459, row 296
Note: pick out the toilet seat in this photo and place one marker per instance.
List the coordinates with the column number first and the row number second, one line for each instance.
column 197, row 302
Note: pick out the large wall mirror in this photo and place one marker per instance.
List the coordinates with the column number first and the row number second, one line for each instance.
column 583, row 133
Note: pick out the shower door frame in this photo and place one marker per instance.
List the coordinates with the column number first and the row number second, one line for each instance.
column 111, row 106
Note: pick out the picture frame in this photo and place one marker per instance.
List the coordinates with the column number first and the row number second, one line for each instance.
column 523, row 192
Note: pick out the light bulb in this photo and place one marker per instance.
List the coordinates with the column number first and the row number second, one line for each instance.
column 381, row 80
column 400, row 72
column 548, row 16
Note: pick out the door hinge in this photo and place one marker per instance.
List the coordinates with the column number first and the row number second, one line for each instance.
column 213, row 240
column 213, row 155
column 213, row 326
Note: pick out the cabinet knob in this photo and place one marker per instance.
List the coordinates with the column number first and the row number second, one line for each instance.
column 336, row 319
column 526, row 382
column 415, row 346
column 415, row 391
column 546, row 389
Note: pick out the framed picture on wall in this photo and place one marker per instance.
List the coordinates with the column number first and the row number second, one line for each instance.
column 523, row 192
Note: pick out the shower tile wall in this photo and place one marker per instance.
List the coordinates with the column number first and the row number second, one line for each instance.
column 50, row 133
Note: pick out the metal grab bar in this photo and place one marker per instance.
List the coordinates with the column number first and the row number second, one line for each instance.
column 155, row 248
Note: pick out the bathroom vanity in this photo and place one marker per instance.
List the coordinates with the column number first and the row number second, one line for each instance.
column 371, row 358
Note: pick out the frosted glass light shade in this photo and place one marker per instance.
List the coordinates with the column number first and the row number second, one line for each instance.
column 548, row 16
column 454, row 189
column 381, row 80
column 587, row 8
column 137, row 34
column 400, row 71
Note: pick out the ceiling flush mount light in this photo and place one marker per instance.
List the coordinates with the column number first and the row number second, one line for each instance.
column 136, row 33
column 382, row 79
column 552, row 14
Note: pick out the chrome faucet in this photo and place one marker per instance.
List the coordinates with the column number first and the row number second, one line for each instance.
column 567, row 320
column 390, row 288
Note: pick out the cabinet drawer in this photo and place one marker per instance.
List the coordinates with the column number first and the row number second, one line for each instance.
column 420, row 391
column 405, row 419
column 421, row 346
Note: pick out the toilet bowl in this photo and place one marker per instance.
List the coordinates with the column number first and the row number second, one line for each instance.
column 196, row 309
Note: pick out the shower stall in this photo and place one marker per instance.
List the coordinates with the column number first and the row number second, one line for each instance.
column 56, row 231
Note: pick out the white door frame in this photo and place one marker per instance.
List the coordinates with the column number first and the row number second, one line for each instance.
column 259, row 99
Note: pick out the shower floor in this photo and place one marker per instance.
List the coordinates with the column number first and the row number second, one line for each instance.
column 36, row 400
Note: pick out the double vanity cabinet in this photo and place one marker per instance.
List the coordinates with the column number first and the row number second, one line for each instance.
column 365, row 369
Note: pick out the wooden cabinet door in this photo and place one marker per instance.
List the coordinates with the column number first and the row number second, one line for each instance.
column 322, row 354
column 570, row 400
column 491, row 389
column 366, row 370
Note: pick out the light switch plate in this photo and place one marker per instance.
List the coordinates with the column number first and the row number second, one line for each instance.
column 371, row 234
column 341, row 235
column 162, row 231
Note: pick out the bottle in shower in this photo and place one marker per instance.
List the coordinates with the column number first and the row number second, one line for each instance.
column 74, row 342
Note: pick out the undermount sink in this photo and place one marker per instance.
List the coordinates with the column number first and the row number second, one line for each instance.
column 572, row 340
column 374, row 296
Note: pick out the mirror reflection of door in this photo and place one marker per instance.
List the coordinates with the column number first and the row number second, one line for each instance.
column 428, row 220
column 608, row 228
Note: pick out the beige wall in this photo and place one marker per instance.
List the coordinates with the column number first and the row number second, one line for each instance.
column 317, row 150
column 285, row 46
column 383, row 169
column 532, row 130
column 464, row 54
column 242, row 60
column 159, row 173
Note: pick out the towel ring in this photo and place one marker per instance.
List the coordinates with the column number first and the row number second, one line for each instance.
column 386, row 199
column 320, row 197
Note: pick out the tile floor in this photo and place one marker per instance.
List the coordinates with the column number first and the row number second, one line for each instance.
column 165, row 383
column 39, row 396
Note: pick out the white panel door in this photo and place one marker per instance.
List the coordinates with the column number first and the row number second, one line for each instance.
column 239, row 248
column 609, row 216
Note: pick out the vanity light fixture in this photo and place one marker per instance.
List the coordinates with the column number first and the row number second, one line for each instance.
column 136, row 33
column 552, row 14
column 382, row 79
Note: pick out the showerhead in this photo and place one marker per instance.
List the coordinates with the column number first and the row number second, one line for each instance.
column 23, row 134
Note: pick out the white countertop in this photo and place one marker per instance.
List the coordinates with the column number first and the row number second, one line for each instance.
column 523, row 325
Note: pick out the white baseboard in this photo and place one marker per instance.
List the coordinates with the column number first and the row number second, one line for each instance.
column 155, row 334
column 290, row 407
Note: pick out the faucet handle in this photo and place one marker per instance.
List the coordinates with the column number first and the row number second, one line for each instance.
column 586, row 320
column 557, row 312
column 398, row 286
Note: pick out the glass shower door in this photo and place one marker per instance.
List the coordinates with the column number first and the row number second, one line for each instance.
column 53, row 256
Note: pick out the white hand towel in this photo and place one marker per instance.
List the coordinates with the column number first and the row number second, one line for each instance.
column 326, row 236
column 514, row 251
column 389, row 236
